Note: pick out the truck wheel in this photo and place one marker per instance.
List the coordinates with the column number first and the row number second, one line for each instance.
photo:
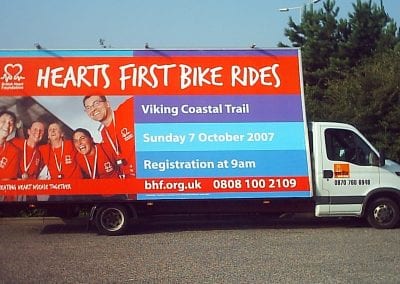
column 383, row 213
column 112, row 220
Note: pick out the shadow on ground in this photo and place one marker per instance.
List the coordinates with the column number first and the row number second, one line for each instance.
column 178, row 223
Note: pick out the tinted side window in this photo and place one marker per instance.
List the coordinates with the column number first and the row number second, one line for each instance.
column 345, row 145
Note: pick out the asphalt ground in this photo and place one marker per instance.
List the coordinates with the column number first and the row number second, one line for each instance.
column 200, row 249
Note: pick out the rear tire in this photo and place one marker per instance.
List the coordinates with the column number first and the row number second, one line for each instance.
column 383, row 213
column 112, row 220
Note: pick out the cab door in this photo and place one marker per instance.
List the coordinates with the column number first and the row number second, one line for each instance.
column 350, row 170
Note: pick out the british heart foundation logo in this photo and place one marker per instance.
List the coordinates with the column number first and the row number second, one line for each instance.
column 12, row 77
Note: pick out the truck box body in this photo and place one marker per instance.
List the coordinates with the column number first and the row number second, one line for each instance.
column 176, row 131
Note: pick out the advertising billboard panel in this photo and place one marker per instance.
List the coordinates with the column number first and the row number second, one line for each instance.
column 152, row 124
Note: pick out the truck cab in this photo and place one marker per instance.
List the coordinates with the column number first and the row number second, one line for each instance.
column 351, row 178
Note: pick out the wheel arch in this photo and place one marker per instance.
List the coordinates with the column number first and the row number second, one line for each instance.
column 391, row 193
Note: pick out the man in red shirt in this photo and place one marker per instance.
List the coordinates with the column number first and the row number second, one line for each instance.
column 92, row 158
column 59, row 155
column 117, row 130
column 9, row 154
column 31, row 161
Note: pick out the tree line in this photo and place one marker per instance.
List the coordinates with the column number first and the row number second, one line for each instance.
column 351, row 69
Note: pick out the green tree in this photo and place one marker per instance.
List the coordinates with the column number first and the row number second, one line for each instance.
column 351, row 67
column 371, row 30
column 331, row 47
column 369, row 98
column 319, row 35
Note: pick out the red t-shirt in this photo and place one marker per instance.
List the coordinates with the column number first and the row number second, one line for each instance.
column 9, row 161
column 105, row 164
column 32, row 163
column 119, row 135
column 61, row 161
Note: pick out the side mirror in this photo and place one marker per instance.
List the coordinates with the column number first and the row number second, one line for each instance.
column 382, row 158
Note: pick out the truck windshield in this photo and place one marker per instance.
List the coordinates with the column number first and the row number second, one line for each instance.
column 345, row 145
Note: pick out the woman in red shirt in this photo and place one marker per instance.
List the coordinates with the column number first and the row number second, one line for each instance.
column 94, row 161
column 31, row 161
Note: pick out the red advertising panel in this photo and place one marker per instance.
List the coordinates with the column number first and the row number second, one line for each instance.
column 152, row 124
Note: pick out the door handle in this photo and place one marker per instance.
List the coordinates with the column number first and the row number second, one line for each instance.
column 327, row 174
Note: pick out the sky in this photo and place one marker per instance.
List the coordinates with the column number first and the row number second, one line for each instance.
column 163, row 24
column 129, row 24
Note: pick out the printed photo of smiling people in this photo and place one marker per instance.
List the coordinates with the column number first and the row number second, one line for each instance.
column 66, row 137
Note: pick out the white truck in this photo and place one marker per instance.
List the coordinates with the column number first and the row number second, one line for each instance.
column 351, row 178
column 130, row 133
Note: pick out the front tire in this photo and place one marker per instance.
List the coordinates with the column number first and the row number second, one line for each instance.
column 383, row 213
column 112, row 220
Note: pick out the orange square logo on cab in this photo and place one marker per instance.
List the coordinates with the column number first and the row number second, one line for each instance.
column 341, row 170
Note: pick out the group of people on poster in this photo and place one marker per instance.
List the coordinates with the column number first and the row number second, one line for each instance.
column 79, row 157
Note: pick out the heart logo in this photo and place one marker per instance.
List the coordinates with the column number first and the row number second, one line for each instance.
column 13, row 71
